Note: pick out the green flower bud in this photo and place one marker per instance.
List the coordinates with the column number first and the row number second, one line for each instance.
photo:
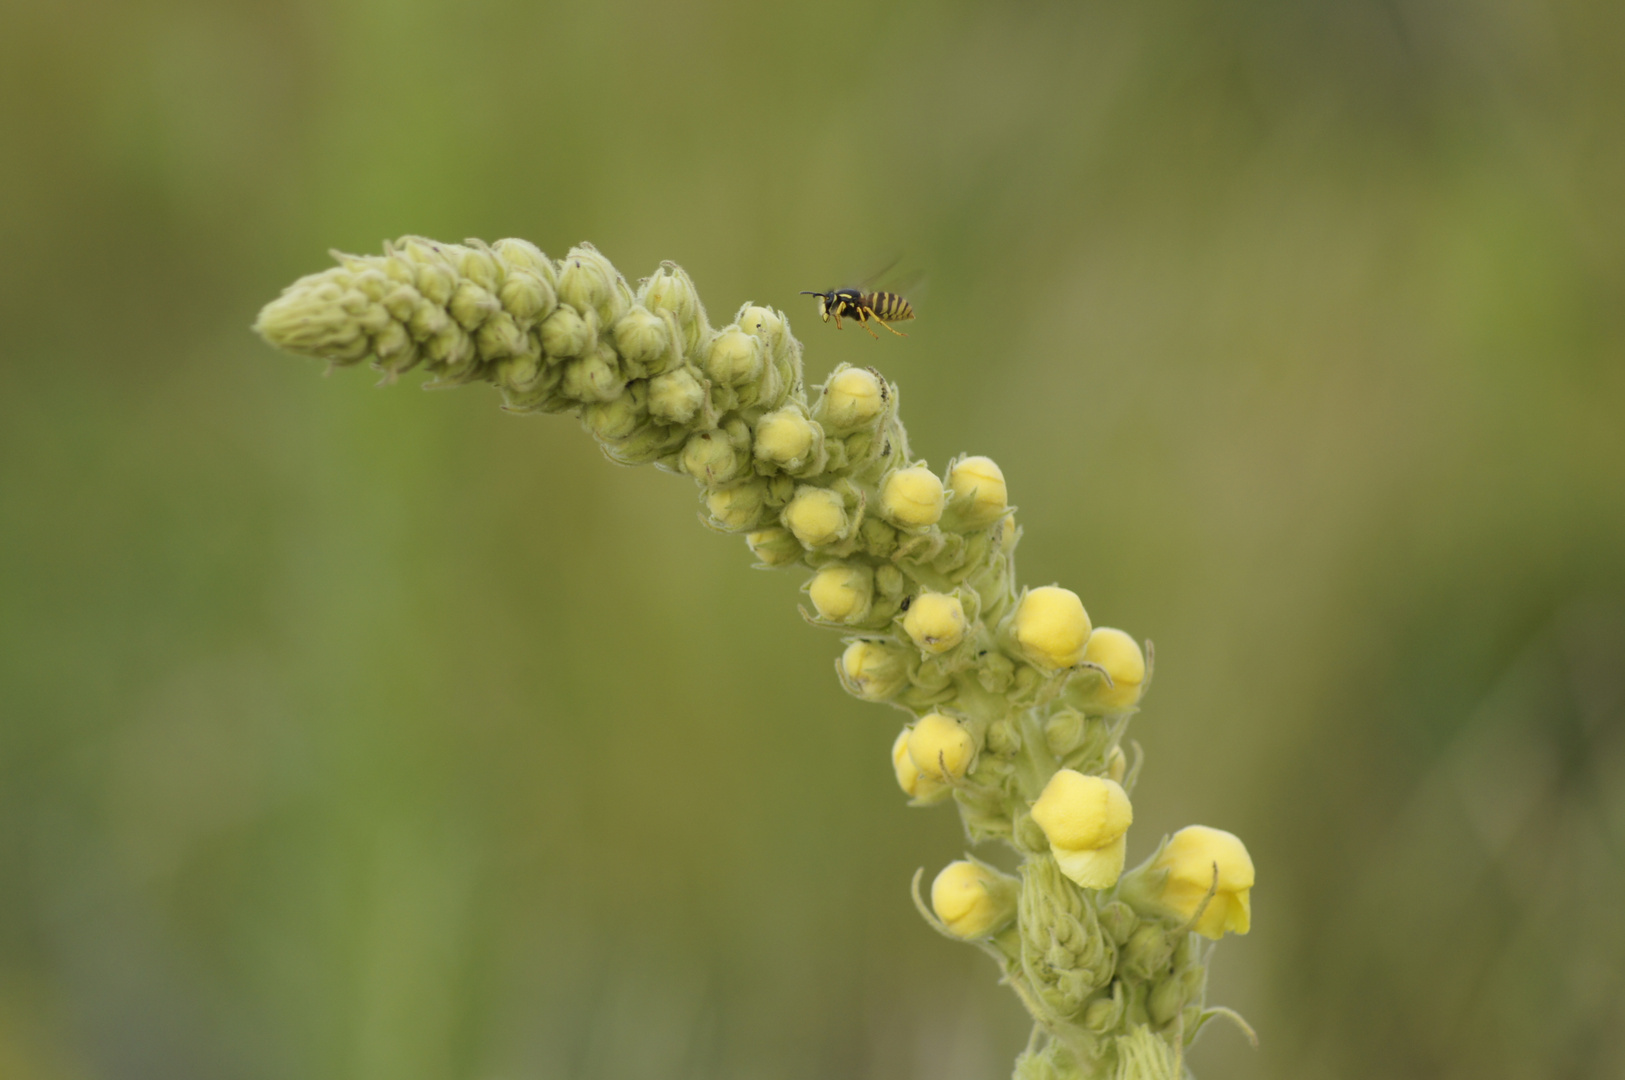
column 1119, row 921
column 471, row 304
column 620, row 417
column 670, row 290
column 641, row 337
column 734, row 359
column 911, row 498
column 935, row 621
column 1143, row 1056
column 1105, row 1013
column 474, row 261
column 649, row 442
column 873, row 670
column 394, row 349
column 309, row 318
column 527, row 296
column 676, row 396
column 853, row 398
column 524, row 256
column 712, row 458
column 995, row 673
column 1146, row 952
column 499, row 336
column 817, row 516
column 1166, row 999
column 738, row 507
column 788, row 439
column 1064, row 731
column 587, row 282
column 594, row 377
column 842, row 593
column 775, row 547
column 565, row 333
column 878, row 538
column 1117, row 764
column 980, row 497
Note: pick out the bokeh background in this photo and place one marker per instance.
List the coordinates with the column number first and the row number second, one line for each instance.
column 360, row 733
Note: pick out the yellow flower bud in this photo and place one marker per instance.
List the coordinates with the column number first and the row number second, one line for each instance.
column 761, row 321
column 1051, row 628
column 979, row 492
column 912, row 498
column 1008, row 534
column 853, row 398
column 1086, row 819
column 972, row 899
column 817, row 516
column 775, row 546
column 941, row 747
column 1117, row 764
column 735, row 357
column 676, row 396
column 711, row 458
column 737, row 506
column 788, row 439
column 916, row 786
column 1190, row 858
column 1120, row 655
column 842, row 593
column 873, row 670
column 936, row 621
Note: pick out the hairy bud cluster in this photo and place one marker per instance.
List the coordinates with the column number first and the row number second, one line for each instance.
column 1017, row 704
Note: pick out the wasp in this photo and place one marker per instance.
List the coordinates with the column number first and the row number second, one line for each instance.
column 884, row 308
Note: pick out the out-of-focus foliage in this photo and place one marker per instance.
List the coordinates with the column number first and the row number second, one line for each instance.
column 349, row 733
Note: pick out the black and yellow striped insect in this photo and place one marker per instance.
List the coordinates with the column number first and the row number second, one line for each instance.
column 863, row 305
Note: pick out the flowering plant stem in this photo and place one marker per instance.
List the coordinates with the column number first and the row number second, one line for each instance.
column 1016, row 703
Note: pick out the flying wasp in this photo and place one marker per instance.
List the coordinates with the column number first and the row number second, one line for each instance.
column 863, row 305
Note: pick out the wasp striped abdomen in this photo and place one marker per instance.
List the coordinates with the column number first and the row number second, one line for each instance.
column 884, row 308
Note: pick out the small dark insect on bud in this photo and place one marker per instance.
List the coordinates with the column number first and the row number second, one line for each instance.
column 907, row 600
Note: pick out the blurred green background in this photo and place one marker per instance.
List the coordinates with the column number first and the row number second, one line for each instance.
column 357, row 733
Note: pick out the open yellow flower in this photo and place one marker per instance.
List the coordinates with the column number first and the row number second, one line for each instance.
column 1086, row 820
column 1190, row 858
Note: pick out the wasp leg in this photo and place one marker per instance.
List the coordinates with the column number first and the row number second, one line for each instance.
column 886, row 324
column 864, row 316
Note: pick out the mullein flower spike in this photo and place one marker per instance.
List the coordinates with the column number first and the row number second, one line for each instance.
column 1017, row 705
